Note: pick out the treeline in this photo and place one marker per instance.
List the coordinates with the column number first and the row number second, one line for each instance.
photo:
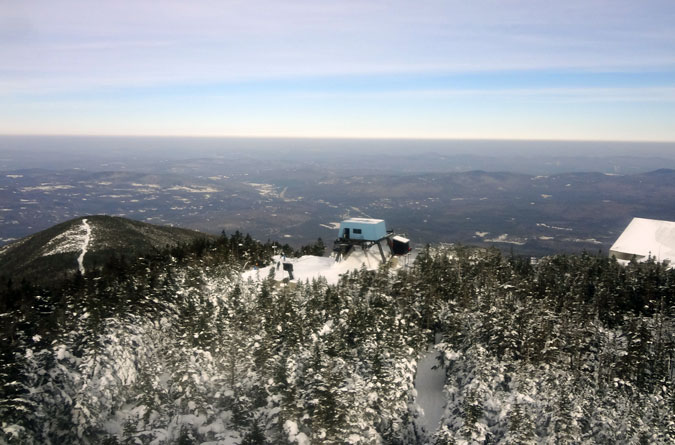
column 237, row 251
column 572, row 349
column 119, row 285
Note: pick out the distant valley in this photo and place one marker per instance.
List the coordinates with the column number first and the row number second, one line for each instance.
column 528, row 214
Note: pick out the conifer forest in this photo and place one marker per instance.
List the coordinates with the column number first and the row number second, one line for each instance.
column 177, row 347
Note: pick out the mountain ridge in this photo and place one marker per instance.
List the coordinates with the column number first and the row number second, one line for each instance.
column 85, row 242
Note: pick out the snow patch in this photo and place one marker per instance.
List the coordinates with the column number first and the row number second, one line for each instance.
column 294, row 436
column 47, row 188
column 85, row 245
column 310, row 267
column 193, row 189
column 429, row 383
column 583, row 240
column 71, row 240
column 504, row 238
column 326, row 328
column 567, row 229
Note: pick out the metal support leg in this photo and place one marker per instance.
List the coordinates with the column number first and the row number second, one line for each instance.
column 384, row 260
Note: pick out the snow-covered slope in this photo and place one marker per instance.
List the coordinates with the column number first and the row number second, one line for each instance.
column 311, row 267
column 82, row 242
column 182, row 351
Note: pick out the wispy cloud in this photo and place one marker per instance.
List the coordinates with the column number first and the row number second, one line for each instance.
column 76, row 41
column 548, row 95
column 76, row 51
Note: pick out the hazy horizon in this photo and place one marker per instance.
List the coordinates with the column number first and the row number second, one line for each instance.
column 604, row 147
column 577, row 70
column 150, row 153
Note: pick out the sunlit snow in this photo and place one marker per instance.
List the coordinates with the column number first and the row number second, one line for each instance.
column 85, row 245
column 429, row 384
column 71, row 240
column 311, row 267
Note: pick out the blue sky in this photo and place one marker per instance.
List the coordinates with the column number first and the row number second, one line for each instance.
column 515, row 69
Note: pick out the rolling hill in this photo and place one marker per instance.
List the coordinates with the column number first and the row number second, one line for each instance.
column 83, row 243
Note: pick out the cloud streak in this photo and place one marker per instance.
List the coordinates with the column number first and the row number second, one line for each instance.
column 76, row 42
column 73, row 51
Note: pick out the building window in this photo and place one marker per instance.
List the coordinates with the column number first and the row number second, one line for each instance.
column 357, row 231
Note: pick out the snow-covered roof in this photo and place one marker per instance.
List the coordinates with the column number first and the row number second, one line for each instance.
column 363, row 220
column 401, row 239
column 645, row 237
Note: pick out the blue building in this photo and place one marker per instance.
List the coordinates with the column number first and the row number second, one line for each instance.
column 364, row 229
column 363, row 232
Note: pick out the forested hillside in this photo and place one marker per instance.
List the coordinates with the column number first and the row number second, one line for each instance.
column 177, row 348
column 91, row 241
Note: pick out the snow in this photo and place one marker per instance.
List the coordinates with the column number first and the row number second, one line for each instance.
column 294, row 436
column 327, row 328
column 264, row 189
column 645, row 237
column 583, row 240
column 504, row 238
column 310, row 267
column 85, row 245
column 12, row 430
column 47, row 188
column 195, row 189
column 554, row 227
column 363, row 220
column 71, row 240
column 61, row 353
column 354, row 438
column 429, row 385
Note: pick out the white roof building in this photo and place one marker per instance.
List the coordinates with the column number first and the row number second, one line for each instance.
column 644, row 239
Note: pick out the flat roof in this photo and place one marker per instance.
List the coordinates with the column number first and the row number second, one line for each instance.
column 363, row 220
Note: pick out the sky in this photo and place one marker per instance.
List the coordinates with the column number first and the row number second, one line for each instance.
column 507, row 69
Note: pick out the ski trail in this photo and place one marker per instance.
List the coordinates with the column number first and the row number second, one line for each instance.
column 85, row 245
column 429, row 384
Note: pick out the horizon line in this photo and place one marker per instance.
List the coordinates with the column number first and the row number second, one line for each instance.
column 333, row 137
